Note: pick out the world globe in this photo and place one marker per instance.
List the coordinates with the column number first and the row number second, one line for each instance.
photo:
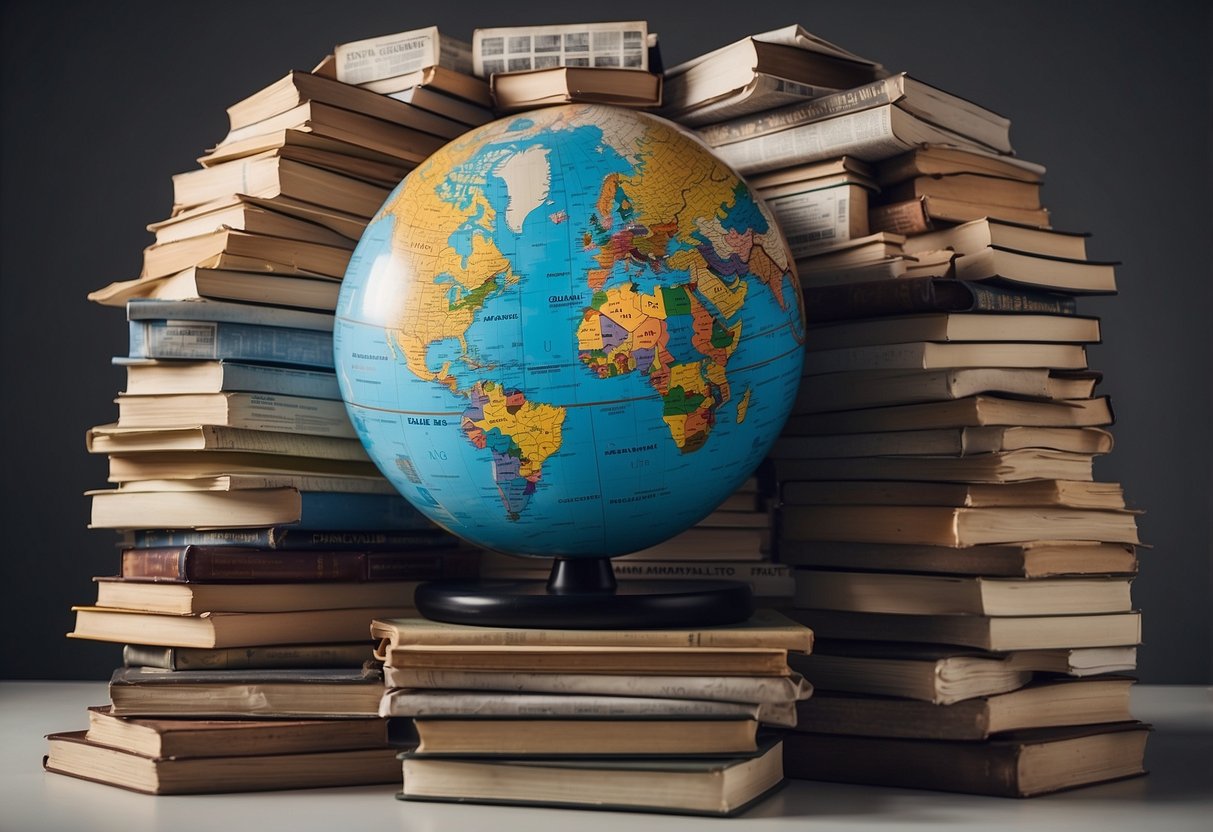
column 571, row 332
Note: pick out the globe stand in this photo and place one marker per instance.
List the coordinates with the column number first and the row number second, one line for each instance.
column 582, row 594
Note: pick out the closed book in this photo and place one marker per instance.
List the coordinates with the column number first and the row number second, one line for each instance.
column 925, row 355
column 223, row 439
column 72, row 754
column 129, row 466
column 182, row 738
column 1022, row 764
column 977, row 235
column 661, row 661
column 932, row 160
column 311, row 292
column 929, row 294
column 941, row 442
column 251, row 411
column 237, row 564
column 264, row 657
column 927, row 212
column 154, row 377
column 444, row 103
column 240, row 214
column 1002, row 466
column 617, row 86
column 313, row 692
column 1038, row 270
column 970, row 187
column 299, row 256
column 955, row 327
column 223, row 312
column 459, row 85
column 971, row 411
column 288, row 538
column 231, row 341
column 196, row 598
column 1060, row 493
column 228, row 629
column 721, row 786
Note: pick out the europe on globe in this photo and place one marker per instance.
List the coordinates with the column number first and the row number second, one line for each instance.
column 570, row 332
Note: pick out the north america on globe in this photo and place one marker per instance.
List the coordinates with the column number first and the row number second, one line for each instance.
column 571, row 332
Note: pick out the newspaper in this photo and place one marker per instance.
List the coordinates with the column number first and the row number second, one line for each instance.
column 363, row 61
column 517, row 48
column 813, row 220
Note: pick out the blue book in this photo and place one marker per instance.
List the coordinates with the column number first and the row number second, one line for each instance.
column 291, row 538
column 254, row 508
column 231, row 342
column 149, row 376
column 152, row 309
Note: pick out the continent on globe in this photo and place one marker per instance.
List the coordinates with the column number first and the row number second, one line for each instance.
column 569, row 299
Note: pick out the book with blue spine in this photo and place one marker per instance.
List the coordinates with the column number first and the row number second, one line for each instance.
column 230, row 341
column 153, row 309
column 145, row 376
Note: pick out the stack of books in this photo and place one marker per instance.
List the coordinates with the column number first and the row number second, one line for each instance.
column 657, row 720
column 935, row 484
column 258, row 540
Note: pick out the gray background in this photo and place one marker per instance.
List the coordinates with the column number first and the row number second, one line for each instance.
column 102, row 102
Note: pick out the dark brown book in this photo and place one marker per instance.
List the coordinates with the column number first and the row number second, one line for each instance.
column 927, row 294
column 232, row 564
column 1022, row 764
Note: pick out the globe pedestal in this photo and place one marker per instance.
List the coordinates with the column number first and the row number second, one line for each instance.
column 582, row 594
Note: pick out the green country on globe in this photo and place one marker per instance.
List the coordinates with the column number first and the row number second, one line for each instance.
column 570, row 332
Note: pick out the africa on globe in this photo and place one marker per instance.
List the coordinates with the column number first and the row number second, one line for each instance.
column 571, row 332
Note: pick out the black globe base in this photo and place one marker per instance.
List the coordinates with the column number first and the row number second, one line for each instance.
column 582, row 594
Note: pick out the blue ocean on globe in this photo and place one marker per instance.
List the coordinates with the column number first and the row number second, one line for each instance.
column 573, row 332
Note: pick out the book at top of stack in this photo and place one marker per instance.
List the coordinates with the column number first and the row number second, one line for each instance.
column 558, row 716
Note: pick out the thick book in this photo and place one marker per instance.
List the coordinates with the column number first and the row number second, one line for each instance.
column 1031, row 559
column 955, row 326
column 231, row 341
column 127, row 509
column 1045, row 704
column 297, row 256
column 936, row 160
column 447, row 104
column 659, row 661
column 977, row 235
column 460, row 86
column 926, row 355
column 220, row 439
column 240, row 214
column 1021, row 764
column 764, row 629
column 928, row 294
column 247, row 410
column 265, row 657
column 329, row 693
column 367, row 60
column 943, row 442
column 617, row 86
column 946, row 675
column 721, row 787
column 907, row 594
column 527, row 736
column 1056, row 493
column 967, row 187
column 313, row 292
column 992, row 633
column 998, row 467
column 222, row 312
column 180, row 738
column 154, row 377
column 229, row 629
column 951, row 526
column 1037, row 270
column 196, row 598
column 72, row 754
column 921, row 99
column 929, row 211
column 971, row 411
column 289, row 538
column 256, row 566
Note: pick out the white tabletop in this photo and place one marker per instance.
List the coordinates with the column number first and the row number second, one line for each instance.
column 1176, row 795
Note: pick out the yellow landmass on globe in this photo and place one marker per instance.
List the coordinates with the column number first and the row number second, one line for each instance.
column 743, row 406
column 534, row 427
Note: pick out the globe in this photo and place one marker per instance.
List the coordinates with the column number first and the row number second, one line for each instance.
column 570, row 332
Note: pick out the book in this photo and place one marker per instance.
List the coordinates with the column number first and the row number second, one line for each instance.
column 720, row 787
column 937, row 160
column 240, row 214
column 264, row 657
column 873, row 388
column 71, row 754
column 950, row 526
column 871, row 135
column 173, row 598
column 659, row 661
column 461, row 86
column 942, row 442
column 624, row 43
column 978, row 235
column 455, row 704
column 904, row 594
column 220, row 312
column 164, row 259
column 838, row 170
column 221, row 439
column 228, row 629
column 967, row 187
column 812, row 218
column 620, row 87
column 288, row 538
column 927, row 355
column 763, row 578
column 766, row 628
column 1046, row 704
column 971, row 411
column 955, row 326
column 176, row 377
column 991, row 633
column 910, row 94
column 1003, row 466
column 946, row 675
column 1060, row 493
column 250, row 411
column 705, row 543
column 928, row 294
column 1021, row 764
column 369, row 59
column 130, row 467
column 230, row 341
column 369, row 484
column 556, row 737
column 925, row 213
column 314, row 292
column 297, row 88
column 180, row 738
column 233, row 565
column 1031, row 559
column 123, row 509
column 740, row 74
column 428, row 97
column 1024, row 268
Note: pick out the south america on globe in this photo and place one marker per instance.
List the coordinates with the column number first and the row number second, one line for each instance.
column 571, row 332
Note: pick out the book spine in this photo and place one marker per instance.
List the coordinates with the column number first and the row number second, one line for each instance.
column 988, row 298
column 230, row 564
column 236, row 342
column 419, row 704
column 282, row 381
column 928, row 294
column 247, row 658
column 885, row 91
column 378, row 541
column 818, row 218
column 908, row 218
